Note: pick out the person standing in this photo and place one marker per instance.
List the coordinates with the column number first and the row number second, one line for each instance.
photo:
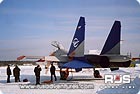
column 52, row 71
column 37, row 74
column 16, row 72
column 8, row 73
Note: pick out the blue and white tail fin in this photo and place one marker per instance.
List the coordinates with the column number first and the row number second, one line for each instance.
column 77, row 45
column 112, row 44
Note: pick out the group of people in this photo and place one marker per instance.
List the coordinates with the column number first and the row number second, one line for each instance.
column 16, row 73
column 37, row 70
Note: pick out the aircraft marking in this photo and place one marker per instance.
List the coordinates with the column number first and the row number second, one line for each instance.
column 75, row 42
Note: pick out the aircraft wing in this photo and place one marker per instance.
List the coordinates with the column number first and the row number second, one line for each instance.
column 30, row 57
column 56, row 59
column 45, row 58
column 76, row 64
column 51, row 58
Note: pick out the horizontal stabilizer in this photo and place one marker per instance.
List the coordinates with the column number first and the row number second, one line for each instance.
column 75, row 64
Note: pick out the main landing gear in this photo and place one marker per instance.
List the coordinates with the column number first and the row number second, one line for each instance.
column 96, row 73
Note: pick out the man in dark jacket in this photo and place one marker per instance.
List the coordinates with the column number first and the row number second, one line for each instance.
column 37, row 74
column 8, row 73
column 52, row 71
column 16, row 72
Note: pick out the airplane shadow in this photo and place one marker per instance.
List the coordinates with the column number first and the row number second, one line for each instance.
column 120, row 71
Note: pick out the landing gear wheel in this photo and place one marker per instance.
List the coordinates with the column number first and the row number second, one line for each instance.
column 112, row 69
column 97, row 74
column 104, row 62
column 126, row 64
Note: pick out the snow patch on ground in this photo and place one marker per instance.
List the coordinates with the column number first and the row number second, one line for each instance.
column 99, row 85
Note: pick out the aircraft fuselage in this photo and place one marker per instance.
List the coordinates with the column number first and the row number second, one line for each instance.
column 106, row 61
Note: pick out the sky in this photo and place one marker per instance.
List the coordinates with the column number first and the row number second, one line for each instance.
column 27, row 27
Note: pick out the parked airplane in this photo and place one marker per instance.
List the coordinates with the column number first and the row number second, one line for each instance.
column 109, row 57
column 75, row 58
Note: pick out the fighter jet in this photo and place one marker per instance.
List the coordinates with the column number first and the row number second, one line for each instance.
column 75, row 58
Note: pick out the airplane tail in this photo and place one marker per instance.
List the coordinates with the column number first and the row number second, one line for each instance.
column 112, row 44
column 77, row 45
